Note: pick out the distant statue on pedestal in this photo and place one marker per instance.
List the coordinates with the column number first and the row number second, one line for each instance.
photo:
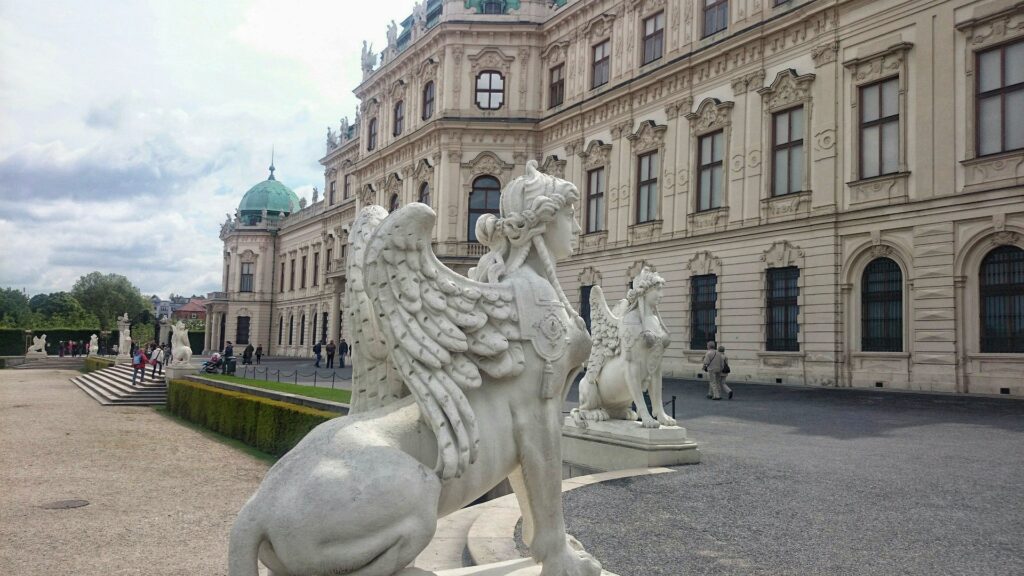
column 181, row 352
column 369, row 58
column 38, row 347
column 124, row 339
column 94, row 345
column 625, row 362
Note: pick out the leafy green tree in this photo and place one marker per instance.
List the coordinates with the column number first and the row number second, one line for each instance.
column 109, row 295
column 14, row 309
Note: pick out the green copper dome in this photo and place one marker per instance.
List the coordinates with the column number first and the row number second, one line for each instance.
column 270, row 195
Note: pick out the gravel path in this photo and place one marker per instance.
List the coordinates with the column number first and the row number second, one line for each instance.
column 162, row 497
column 821, row 482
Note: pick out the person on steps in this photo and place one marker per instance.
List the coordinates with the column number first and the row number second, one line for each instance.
column 139, row 361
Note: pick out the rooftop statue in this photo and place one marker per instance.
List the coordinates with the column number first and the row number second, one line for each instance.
column 459, row 384
column 343, row 130
column 629, row 345
column 369, row 58
column 332, row 139
column 392, row 34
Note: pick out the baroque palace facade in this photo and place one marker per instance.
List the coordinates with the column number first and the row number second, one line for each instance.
column 833, row 189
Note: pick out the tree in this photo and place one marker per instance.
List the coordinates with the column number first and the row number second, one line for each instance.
column 107, row 296
column 14, row 309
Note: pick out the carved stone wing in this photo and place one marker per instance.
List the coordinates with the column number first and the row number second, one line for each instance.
column 604, row 330
column 374, row 380
column 442, row 329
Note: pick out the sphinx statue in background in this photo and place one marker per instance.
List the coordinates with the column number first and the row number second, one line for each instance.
column 459, row 384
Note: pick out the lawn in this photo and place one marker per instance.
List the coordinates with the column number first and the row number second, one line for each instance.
column 332, row 394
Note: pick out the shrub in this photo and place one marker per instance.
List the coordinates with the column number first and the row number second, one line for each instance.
column 12, row 342
column 93, row 363
column 268, row 425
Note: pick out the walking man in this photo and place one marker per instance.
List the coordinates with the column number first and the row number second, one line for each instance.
column 158, row 361
column 259, row 353
column 331, row 349
column 714, row 364
column 342, row 352
column 139, row 361
column 316, row 351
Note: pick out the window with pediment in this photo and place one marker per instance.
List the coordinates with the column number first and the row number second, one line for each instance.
column 490, row 90
column 428, row 100
column 654, row 38
column 483, row 199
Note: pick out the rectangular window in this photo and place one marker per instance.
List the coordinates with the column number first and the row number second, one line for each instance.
column 282, row 276
column 334, row 187
column 371, row 134
column 291, row 276
column 585, row 304
column 327, row 264
column 347, row 191
column 302, row 279
column 654, row 35
column 556, row 89
column 490, row 90
column 782, row 309
column 323, row 327
column 399, row 118
column 242, row 330
column 316, row 269
column 647, row 188
column 716, row 16
column 313, row 333
column 703, row 302
column 710, row 150
column 879, row 128
column 787, row 151
column 428, row 100
column 280, row 331
column 602, row 62
column 595, row 200
column 245, row 283
column 291, row 330
column 1000, row 99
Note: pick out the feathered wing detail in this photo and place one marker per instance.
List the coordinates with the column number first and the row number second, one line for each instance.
column 442, row 329
column 374, row 380
column 604, row 330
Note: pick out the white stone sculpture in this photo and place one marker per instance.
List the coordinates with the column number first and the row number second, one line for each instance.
column 487, row 362
column 369, row 58
column 94, row 345
column 38, row 347
column 124, row 339
column 629, row 344
column 181, row 352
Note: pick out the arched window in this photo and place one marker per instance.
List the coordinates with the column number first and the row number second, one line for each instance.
column 881, row 313
column 371, row 134
column 482, row 200
column 393, row 203
column 399, row 118
column 280, row 330
column 424, row 197
column 490, row 90
column 302, row 330
column 291, row 329
column 1001, row 283
column 428, row 100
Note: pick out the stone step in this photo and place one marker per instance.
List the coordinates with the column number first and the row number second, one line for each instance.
column 50, row 363
column 113, row 386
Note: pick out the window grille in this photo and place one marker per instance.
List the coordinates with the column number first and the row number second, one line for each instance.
column 882, row 307
column 1002, row 300
column 782, row 309
column 703, row 303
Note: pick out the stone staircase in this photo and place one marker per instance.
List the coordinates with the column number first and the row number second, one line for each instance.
column 113, row 387
column 52, row 363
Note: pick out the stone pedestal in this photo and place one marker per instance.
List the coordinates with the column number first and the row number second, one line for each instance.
column 174, row 371
column 31, row 354
column 620, row 445
column 523, row 567
column 123, row 359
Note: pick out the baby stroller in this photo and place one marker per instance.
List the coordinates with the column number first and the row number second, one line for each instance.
column 213, row 365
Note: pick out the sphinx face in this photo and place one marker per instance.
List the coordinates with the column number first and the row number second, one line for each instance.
column 653, row 296
column 561, row 232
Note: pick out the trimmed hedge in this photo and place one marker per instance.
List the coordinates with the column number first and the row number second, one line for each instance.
column 196, row 341
column 12, row 340
column 95, row 363
column 268, row 425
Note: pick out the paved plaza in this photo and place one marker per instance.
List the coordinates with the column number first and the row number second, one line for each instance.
column 793, row 481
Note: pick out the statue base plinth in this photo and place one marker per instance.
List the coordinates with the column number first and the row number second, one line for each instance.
column 174, row 371
column 521, row 567
column 620, row 445
column 34, row 354
column 123, row 359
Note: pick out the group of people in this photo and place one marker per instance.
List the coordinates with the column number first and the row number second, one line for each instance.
column 342, row 349
column 152, row 355
column 717, row 366
column 73, row 348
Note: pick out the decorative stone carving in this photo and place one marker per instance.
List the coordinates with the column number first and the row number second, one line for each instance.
column 368, row 59
column 824, row 54
column 1005, row 238
column 574, row 146
column 38, row 347
column 590, row 276
column 882, row 189
column 490, row 58
column 356, row 486
column 367, row 195
column 873, row 67
column 882, row 251
column 787, row 205
column 751, row 81
column 637, row 266
column 782, row 254
column 648, row 136
column 1002, row 171
column 487, row 163
column 646, row 232
column 599, row 27
column 181, row 352
column 786, row 90
column 709, row 220
column 427, row 70
column 594, row 241
column 94, row 345
column 555, row 53
column 621, row 129
column 703, row 263
column 712, row 114
column 994, row 28
column 553, row 166
column 597, row 155
column 681, row 106
column 629, row 345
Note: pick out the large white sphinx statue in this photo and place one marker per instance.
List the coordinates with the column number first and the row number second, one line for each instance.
column 629, row 345
column 459, row 384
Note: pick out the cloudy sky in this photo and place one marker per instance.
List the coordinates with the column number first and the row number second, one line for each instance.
column 128, row 128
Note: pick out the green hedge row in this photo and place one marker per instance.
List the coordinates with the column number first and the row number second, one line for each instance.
column 12, row 340
column 93, row 363
column 268, row 425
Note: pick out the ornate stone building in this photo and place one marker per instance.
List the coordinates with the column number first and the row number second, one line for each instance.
column 834, row 190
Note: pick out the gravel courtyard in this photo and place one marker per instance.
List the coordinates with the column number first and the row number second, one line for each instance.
column 162, row 497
